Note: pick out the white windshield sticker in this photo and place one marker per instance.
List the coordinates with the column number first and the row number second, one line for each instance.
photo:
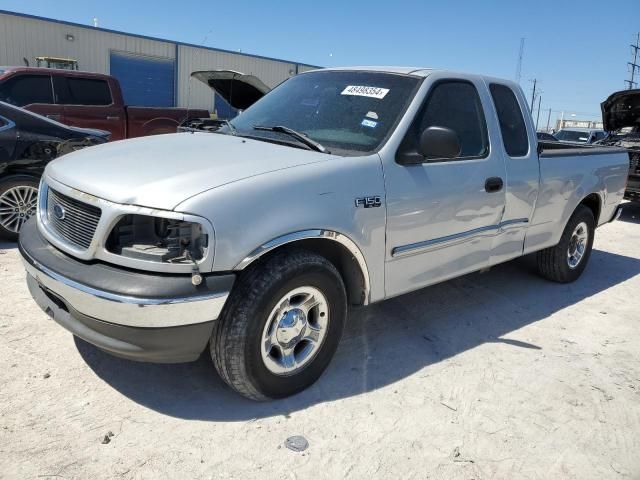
column 362, row 91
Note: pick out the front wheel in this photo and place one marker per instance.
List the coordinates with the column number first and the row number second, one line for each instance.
column 566, row 261
column 281, row 325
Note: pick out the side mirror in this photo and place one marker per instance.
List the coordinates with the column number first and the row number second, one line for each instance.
column 439, row 142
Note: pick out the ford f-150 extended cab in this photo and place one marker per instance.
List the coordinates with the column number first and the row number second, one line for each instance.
column 89, row 100
column 340, row 186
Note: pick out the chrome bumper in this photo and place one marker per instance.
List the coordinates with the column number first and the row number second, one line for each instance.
column 124, row 310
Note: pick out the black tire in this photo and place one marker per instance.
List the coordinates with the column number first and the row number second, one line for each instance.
column 553, row 261
column 6, row 184
column 236, row 339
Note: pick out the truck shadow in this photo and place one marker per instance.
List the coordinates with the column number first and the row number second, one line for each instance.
column 383, row 343
column 4, row 245
column 631, row 212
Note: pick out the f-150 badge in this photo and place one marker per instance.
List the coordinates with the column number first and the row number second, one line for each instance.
column 369, row 202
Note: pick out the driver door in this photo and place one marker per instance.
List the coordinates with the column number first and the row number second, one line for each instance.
column 442, row 214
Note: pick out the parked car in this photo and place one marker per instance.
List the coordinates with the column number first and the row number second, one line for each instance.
column 27, row 143
column 621, row 116
column 84, row 99
column 547, row 137
column 580, row 135
column 340, row 186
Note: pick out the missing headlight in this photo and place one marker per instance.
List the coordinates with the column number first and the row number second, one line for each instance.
column 157, row 239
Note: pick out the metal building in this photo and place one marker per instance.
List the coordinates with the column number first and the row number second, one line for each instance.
column 152, row 71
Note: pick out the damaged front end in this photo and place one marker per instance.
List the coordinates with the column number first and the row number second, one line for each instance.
column 621, row 119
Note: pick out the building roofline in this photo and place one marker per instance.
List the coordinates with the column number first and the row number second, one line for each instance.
column 146, row 37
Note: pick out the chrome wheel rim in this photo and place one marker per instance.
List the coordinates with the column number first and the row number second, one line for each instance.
column 17, row 204
column 577, row 245
column 294, row 331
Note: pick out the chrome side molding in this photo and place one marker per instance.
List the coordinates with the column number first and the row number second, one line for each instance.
column 449, row 240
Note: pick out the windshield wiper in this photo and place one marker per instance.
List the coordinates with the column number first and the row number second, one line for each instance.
column 297, row 135
column 234, row 130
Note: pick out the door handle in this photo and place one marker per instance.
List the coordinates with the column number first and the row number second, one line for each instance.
column 493, row 184
column 113, row 118
column 53, row 116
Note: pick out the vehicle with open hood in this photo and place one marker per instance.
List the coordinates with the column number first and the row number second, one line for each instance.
column 238, row 90
column 621, row 116
column 339, row 187
column 28, row 142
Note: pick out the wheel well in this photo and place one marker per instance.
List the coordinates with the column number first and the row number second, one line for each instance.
column 593, row 203
column 342, row 259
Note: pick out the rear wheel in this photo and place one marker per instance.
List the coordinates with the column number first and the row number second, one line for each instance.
column 566, row 261
column 281, row 326
column 18, row 200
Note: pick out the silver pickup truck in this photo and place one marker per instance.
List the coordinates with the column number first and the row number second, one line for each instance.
column 339, row 187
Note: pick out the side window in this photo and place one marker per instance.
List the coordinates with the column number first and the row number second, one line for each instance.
column 599, row 136
column 455, row 105
column 512, row 126
column 23, row 90
column 82, row 91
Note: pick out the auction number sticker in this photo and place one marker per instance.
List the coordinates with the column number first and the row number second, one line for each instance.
column 363, row 91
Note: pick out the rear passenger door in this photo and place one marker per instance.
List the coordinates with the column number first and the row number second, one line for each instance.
column 442, row 214
column 33, row 92
column 88, row 103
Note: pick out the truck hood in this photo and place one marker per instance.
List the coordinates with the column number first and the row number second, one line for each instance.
column 164, row 170
column 238, row 89
column 621, row 109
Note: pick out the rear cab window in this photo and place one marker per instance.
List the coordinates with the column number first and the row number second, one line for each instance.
column 22, row 90
column 82, row 91
column 512, row 126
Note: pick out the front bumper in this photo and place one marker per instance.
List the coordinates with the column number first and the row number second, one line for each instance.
column 137, row 315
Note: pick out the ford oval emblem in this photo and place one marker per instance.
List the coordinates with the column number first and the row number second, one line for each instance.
column 58, row 211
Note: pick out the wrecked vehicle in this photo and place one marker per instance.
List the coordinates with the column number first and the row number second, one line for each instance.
column 339, row 187
column 27, row 143
column 621, row 117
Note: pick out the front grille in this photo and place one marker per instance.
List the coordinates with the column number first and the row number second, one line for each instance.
column 79, row 220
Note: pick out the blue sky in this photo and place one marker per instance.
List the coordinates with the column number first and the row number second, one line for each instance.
column 578, row 50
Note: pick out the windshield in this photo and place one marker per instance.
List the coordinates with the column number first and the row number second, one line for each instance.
column 572, row 136
column 348, row 112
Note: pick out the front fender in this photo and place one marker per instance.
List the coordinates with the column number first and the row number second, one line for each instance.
column 261, row 212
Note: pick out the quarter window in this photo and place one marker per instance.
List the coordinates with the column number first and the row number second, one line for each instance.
column 82, row 91
column 24, row 90
column 512, row 126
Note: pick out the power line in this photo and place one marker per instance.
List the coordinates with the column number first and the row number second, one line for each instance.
column 633, row 64
column 519, row 65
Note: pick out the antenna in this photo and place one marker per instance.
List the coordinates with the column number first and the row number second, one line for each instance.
column 633, row 64
column 95, row 22
column 519, row 66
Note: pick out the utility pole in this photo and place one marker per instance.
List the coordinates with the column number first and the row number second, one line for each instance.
column 633, row 64
column 533, row 94
column 538, row 117
column 548, row 120
column 519, row 66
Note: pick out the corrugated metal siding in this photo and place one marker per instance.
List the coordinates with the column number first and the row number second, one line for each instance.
column 30, row 38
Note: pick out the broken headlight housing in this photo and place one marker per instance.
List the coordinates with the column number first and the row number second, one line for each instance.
column 157, row 239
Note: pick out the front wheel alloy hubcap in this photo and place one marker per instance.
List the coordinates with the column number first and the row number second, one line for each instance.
column 577, row 245
column 295, row 331
column 17, row 204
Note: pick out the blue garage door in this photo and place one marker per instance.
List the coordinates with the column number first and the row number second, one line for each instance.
column 145, row 81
